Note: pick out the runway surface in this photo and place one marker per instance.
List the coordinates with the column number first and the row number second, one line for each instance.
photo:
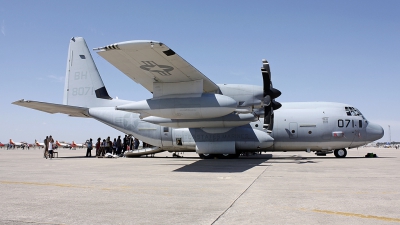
column 275, row 188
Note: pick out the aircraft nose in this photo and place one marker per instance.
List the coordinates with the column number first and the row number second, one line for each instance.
column 374, row 132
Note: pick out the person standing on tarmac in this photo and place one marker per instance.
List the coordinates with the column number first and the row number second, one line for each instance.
column 108, row 145
column 103, row 147
column 46, row 147
column 131, row 144
column 89, row 145
column 114, row 146
column 125, row 143
column 136, row 143
column 50, row 147
column 119, row 145
column 98, row 147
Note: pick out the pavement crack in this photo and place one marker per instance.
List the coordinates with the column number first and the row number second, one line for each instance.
column 230, row 206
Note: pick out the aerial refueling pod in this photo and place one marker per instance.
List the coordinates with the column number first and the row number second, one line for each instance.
column 187, row 106
column 230, row 120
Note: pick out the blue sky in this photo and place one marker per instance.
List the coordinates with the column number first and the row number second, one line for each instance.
column 339, row 51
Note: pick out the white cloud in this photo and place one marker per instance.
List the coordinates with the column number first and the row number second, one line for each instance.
column 3, row 28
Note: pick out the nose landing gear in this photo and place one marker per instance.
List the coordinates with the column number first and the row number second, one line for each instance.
column 340, row 153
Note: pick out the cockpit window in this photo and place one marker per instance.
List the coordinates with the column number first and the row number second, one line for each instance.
column 350, row 111
column 347, row 111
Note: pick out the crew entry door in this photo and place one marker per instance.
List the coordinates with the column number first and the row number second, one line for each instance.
column 166, row 136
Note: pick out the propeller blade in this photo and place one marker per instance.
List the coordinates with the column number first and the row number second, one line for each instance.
column 276, row 105
column 270, row 94
column 271, row 124
column 267, row 116
column 266, row 81
column 275, row 92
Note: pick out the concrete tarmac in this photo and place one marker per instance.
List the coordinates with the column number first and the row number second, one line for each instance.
column 272, row 188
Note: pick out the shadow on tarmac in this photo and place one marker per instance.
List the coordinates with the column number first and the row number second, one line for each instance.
column 247, row 162
column 221, row 165
column 243, row 163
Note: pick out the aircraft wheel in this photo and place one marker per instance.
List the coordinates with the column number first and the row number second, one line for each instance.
column 340, row 153
column 206, row 156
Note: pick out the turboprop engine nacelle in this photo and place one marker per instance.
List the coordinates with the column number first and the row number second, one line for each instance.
column 191, row 106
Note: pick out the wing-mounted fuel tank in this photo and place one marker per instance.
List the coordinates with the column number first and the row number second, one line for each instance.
column 182, row 100
column 230, row 120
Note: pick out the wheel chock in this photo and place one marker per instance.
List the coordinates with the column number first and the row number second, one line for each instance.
column 370, row 155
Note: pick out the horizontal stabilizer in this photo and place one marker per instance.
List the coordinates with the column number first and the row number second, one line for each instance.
column 53, row 108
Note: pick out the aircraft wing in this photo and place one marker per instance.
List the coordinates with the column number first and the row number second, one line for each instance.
column 147, row 62
column 52, row 108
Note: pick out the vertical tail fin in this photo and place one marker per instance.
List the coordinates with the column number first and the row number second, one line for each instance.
column 83, row 84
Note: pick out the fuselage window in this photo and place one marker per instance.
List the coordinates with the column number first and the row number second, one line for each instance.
column 360, row 122
column 166, row 129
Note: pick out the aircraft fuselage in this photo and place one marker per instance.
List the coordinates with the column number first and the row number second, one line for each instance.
column 300, row 126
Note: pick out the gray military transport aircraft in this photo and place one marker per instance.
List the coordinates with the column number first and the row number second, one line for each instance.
column 189, row 112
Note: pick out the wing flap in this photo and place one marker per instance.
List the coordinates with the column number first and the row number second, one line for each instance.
column 52, row 108
column 147, row 62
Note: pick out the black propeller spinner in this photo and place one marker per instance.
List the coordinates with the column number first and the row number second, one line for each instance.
column 270, row 94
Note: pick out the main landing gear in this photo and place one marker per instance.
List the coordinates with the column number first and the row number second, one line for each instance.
column 340, row 153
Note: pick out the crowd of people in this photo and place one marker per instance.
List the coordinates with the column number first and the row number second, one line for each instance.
column 116, row 147
column 11, row 146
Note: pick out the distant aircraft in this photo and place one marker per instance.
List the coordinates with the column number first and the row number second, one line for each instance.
column 38, row 144
column 74, row 145
column 2, row 145
column 189, row 112
column 17, row 144
column 62, row 144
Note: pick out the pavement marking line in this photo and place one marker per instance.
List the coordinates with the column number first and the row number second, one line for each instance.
column 33, row 222
column 43, row 184
column 240, row 195
column 121, row 188
column 357, row 215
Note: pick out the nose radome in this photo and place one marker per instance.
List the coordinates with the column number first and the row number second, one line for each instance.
column 374, row 132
